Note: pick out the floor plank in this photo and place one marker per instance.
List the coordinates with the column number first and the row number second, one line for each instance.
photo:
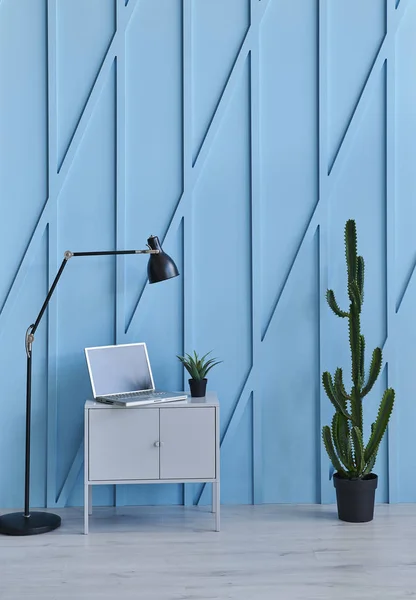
column 262, row 553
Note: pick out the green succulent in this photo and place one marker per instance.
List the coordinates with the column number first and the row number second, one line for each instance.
column 198, row 368
column 344, row 441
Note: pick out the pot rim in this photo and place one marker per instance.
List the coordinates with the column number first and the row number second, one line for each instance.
column 369, row 477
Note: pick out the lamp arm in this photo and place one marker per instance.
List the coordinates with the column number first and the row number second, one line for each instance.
column 30, row 333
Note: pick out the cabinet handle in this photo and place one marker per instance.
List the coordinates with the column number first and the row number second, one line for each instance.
column 157, row 444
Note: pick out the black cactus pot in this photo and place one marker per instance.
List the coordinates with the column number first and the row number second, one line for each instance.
column 198, row 387
column 356, row 498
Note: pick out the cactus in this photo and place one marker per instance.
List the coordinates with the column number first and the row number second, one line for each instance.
column 344, row 440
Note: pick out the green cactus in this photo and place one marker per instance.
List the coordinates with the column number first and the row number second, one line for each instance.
column 344, row 441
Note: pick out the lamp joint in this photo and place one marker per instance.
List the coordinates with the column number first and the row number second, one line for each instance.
column 68, row 254
column 29, row 339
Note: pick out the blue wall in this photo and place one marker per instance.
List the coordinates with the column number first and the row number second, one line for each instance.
column 244, row 133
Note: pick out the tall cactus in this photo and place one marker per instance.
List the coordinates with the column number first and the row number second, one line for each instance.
column 344, row 440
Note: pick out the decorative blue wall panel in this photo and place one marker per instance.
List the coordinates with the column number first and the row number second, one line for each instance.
column 244, row 133
column 218, row 31
column 355, row 32
column 154, row 128
column 290, row 388
column 85, row 314
column 222, row 211
column 288, row 132
column 83, row 32
column 405, row 291
column 23, row 122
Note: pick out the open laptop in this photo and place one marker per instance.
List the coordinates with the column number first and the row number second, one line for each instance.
column 121, row 375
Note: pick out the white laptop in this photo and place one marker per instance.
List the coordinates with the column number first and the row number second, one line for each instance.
column 122, row 375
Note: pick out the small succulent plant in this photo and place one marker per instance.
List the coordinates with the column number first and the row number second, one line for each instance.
column 198, row 368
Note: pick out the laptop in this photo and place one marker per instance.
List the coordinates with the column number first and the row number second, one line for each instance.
column 121, row 375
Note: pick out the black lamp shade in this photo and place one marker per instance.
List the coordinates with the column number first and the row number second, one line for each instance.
column 160, row 266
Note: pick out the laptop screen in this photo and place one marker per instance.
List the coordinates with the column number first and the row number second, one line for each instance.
column 119, row 369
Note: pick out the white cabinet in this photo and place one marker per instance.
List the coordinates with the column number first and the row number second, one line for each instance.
column 170, row 443
column 122, row 444
column 187, row 440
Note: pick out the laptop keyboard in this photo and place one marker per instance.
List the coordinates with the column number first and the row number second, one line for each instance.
column 138, row 394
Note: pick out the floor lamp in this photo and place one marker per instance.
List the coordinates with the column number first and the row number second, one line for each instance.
column 159, row 268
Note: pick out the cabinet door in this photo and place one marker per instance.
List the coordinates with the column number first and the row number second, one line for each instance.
column 187, row 437
column 122, row 444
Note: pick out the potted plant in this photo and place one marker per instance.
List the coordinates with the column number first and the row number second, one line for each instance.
column 353, row 461
column 198, row 369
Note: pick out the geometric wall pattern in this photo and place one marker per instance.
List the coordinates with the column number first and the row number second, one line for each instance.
column 244, row 133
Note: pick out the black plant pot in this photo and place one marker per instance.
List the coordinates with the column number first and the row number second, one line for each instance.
column 355, row 498
column 198, row 387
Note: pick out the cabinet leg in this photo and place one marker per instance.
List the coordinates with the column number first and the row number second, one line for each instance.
column 86, row 507
column 90, row 499
column 216, row 504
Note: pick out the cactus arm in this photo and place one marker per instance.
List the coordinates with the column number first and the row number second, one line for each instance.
column 354, row 335
column 354, row 294
column 329, row 446
column 360, row 276
column 355, row 344
column 330, row 298
column 356, row 408
column 362, row 360
column 374, row 372
column 341, row 437
column 370, row 465
column 331, row 393
column 380, row 426
column 350, row 456
column 351, row 249
column 339, row 387
column 335, row 436
column 357, row 441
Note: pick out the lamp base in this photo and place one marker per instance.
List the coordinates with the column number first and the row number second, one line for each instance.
column 37, row 522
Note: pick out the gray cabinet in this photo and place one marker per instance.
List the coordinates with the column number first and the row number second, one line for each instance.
column 169, row 443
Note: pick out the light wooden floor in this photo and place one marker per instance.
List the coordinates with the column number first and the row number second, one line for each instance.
column 262, row 553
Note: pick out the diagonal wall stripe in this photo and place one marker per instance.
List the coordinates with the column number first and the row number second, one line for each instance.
column 71, row 478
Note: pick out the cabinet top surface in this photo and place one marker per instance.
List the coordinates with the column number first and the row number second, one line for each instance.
column 211, row 399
